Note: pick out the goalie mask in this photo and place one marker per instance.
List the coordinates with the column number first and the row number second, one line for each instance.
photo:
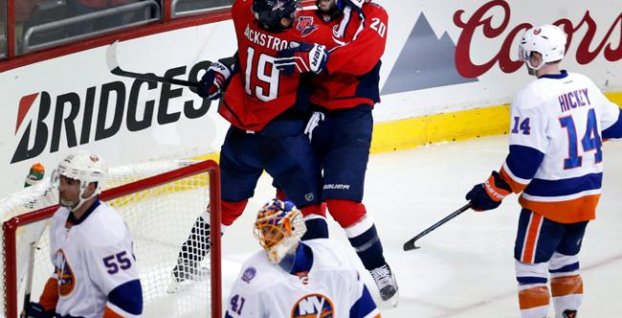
column 279, row 227
column 548, row 40
column 84, row 167
column 271, row 12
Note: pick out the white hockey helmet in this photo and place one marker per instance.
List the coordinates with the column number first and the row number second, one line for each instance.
column 279, row 227
column 86, row 167
column 548, row 40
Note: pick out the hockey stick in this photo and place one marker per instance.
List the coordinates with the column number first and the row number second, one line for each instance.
column 113, row 66
column 410, row 244
column 29, row 274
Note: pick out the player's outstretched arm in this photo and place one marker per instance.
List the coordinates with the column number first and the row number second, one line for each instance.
column 302, row 58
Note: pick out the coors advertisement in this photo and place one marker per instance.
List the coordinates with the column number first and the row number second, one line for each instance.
column 581, row 33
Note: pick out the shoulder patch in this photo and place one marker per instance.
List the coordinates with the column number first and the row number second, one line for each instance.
column 305, row 25
column 249, row 274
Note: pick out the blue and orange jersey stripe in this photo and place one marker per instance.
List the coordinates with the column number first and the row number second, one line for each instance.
column 532, row 235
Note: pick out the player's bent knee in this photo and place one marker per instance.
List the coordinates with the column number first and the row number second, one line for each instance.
column 345, row 212
column 531, row 274
column 564, row 265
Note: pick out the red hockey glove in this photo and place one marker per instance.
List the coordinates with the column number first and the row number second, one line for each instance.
column 302, row 58
column 213, row 82
column 488, row 195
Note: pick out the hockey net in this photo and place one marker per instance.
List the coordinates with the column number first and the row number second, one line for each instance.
column 159, row 201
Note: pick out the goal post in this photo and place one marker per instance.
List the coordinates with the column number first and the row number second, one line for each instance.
column 160, row 211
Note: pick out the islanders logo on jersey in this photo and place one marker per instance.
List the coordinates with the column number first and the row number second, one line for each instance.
column 313, row 305
column 305, row 25
column 65, row 277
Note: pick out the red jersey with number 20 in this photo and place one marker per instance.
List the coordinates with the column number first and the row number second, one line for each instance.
column 259, row 92
column 353, row 68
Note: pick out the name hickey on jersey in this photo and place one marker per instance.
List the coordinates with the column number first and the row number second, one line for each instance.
column 574, row 99
column 266, row 40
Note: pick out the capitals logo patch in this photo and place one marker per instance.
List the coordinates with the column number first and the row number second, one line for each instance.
column 313, row 305
column 305, row 25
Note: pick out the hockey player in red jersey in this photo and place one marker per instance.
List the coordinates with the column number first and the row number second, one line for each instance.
column 555, row 161
column 267, row 110
column 343, row 97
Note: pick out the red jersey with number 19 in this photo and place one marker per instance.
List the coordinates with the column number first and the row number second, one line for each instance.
column 259, row 92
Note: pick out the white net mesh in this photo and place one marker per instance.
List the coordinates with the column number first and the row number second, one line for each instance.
column 159, row 219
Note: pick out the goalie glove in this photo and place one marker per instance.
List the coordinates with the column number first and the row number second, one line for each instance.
column 213, row 82
column 36, row 310
column 302, row 58
column 488, row 195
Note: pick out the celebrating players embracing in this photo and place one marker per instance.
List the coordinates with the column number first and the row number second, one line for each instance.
column 341, row 129
column 268, row 111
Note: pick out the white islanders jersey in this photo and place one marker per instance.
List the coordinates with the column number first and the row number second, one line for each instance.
column 555, row 146
column 331, row 289
column 91, row 259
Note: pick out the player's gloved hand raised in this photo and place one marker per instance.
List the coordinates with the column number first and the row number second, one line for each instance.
column 213, row 81
column 35, row 310
column 355, row 4
column 488, row 195
column 302, row 58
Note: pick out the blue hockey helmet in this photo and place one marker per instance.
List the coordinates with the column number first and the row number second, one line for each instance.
column 270, row 12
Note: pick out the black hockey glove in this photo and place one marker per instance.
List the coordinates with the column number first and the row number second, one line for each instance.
column 488, row 195
column 35, row 310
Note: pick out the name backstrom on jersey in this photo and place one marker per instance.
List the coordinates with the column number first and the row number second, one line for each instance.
column 266, row 40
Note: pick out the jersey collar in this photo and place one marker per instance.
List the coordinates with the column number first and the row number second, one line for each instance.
column 562, row 74
column 86, row 214
column 303, row 260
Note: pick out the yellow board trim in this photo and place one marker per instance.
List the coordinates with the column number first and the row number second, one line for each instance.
column 461, row 125
column 419, row 131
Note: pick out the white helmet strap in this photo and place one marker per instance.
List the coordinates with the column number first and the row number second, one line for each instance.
column 81, row 198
